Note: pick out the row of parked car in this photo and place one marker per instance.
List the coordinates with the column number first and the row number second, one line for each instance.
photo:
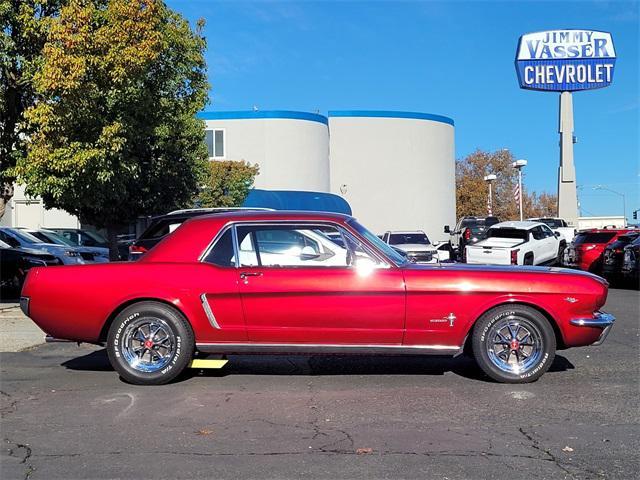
column 23, row 248
column 612, row 253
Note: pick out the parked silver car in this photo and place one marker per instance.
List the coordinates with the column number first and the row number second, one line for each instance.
column 18, row 238
column 89, row 254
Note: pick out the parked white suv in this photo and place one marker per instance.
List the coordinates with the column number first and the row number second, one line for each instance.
column 417, row 246
column 516, row 243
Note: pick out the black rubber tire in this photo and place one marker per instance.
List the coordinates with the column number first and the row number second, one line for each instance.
column 183, row 352
column 480, row 338
column 561, row 249
column 528, row 259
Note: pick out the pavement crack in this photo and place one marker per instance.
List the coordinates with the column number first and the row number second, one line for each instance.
column 8, row 404
column 548, row 455
column 23, row 453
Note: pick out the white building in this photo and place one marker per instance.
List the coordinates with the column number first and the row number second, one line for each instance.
column 22, row 211
column 396, row 169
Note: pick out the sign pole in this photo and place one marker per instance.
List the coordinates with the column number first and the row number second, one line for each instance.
column 567, row 193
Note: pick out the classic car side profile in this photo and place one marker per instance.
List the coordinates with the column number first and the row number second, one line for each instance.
column 282, row 282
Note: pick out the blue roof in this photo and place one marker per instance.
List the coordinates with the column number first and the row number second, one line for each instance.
column 391, row 114
column 297, row 200
column 243, row 115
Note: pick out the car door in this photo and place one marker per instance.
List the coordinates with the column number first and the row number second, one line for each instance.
column 299, row 286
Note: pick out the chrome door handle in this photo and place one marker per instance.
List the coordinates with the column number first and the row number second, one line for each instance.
column 250, row 274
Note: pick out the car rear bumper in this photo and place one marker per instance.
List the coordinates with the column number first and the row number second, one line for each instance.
column 601, row 320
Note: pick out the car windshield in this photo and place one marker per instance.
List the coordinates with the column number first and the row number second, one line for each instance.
column 507, row 233
column 594, row 237
column 404, row 238
column 26, row 237
column 551, row 222
column 50, row 237
column 95, row 236
column 4, row 245
column 390, row 253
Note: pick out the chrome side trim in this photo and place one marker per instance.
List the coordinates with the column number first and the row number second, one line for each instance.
column 328, row 348
column 600, row 319
column 208, row 312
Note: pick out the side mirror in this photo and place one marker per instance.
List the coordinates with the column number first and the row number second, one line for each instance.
column 447, row 229
column 308, row 253
column 556, row 234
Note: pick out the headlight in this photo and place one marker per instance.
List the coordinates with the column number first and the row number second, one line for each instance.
column 69, row 253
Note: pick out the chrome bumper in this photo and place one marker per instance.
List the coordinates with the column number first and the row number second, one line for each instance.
column 599, row 320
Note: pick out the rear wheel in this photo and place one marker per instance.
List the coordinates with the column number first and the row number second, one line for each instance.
column 150, row 343
column 513, row 344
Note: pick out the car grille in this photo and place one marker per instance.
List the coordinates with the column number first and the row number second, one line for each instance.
column 87, row 256
column 421, row 256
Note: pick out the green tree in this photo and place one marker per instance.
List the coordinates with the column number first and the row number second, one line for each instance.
column 114, row 135
column 23, row 32
column 227, row 183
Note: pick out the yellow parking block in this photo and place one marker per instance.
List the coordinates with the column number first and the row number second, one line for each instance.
column 204, row 363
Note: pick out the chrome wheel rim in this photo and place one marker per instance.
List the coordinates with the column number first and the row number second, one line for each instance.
column 514, row 345
column 148, row 344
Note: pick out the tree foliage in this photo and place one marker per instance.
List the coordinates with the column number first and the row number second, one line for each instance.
column 114, row 134
column 472, row 190
column 227, row 183
column 23, row 31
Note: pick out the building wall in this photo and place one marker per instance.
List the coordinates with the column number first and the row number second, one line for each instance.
column 26, row 212
column 291, row 148
column 396, row 169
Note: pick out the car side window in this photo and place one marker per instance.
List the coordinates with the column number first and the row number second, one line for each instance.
column 301, row 245
column 537, row 233
column 547, row 231
column 222, row 253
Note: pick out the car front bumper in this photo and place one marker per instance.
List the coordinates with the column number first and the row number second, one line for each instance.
column 601, row 320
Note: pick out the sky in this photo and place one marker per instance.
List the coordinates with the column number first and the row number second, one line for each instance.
column 453, row 58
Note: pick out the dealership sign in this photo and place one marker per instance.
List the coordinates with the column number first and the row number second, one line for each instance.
column 565, row 60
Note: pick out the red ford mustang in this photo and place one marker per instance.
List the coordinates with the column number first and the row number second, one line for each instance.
column 292, row 282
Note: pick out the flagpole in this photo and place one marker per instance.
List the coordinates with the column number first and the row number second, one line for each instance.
column 519, row 165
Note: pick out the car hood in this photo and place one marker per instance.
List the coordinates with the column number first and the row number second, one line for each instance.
column 415, row 247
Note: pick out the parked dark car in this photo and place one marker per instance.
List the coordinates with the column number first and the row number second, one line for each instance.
column 631, row 263
column 585, row 252
column 469, row 231
column 163, row 225
column 14, row 265
column 613, row 257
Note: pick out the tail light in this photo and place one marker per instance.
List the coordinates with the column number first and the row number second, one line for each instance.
column 514, row 256
column 136, row 249
column 467, row 234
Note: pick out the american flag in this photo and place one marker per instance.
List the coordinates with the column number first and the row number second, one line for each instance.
column 516, row 193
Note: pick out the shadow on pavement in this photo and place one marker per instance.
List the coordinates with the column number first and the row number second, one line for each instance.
column 323, row 365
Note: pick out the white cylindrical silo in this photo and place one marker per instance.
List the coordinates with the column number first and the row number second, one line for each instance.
column 291, row 148
column 396, row 169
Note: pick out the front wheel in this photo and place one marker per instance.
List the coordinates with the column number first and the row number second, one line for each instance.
column 150, row 343
column 514, row 344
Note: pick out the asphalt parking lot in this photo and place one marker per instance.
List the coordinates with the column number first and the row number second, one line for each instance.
column 66, row 414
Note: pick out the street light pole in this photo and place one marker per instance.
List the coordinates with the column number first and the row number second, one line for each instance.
column 489, row 179
column 519, row 165
column 624, row 201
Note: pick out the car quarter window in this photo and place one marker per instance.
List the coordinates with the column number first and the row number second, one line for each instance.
column 222, row 253
column 301, row 245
